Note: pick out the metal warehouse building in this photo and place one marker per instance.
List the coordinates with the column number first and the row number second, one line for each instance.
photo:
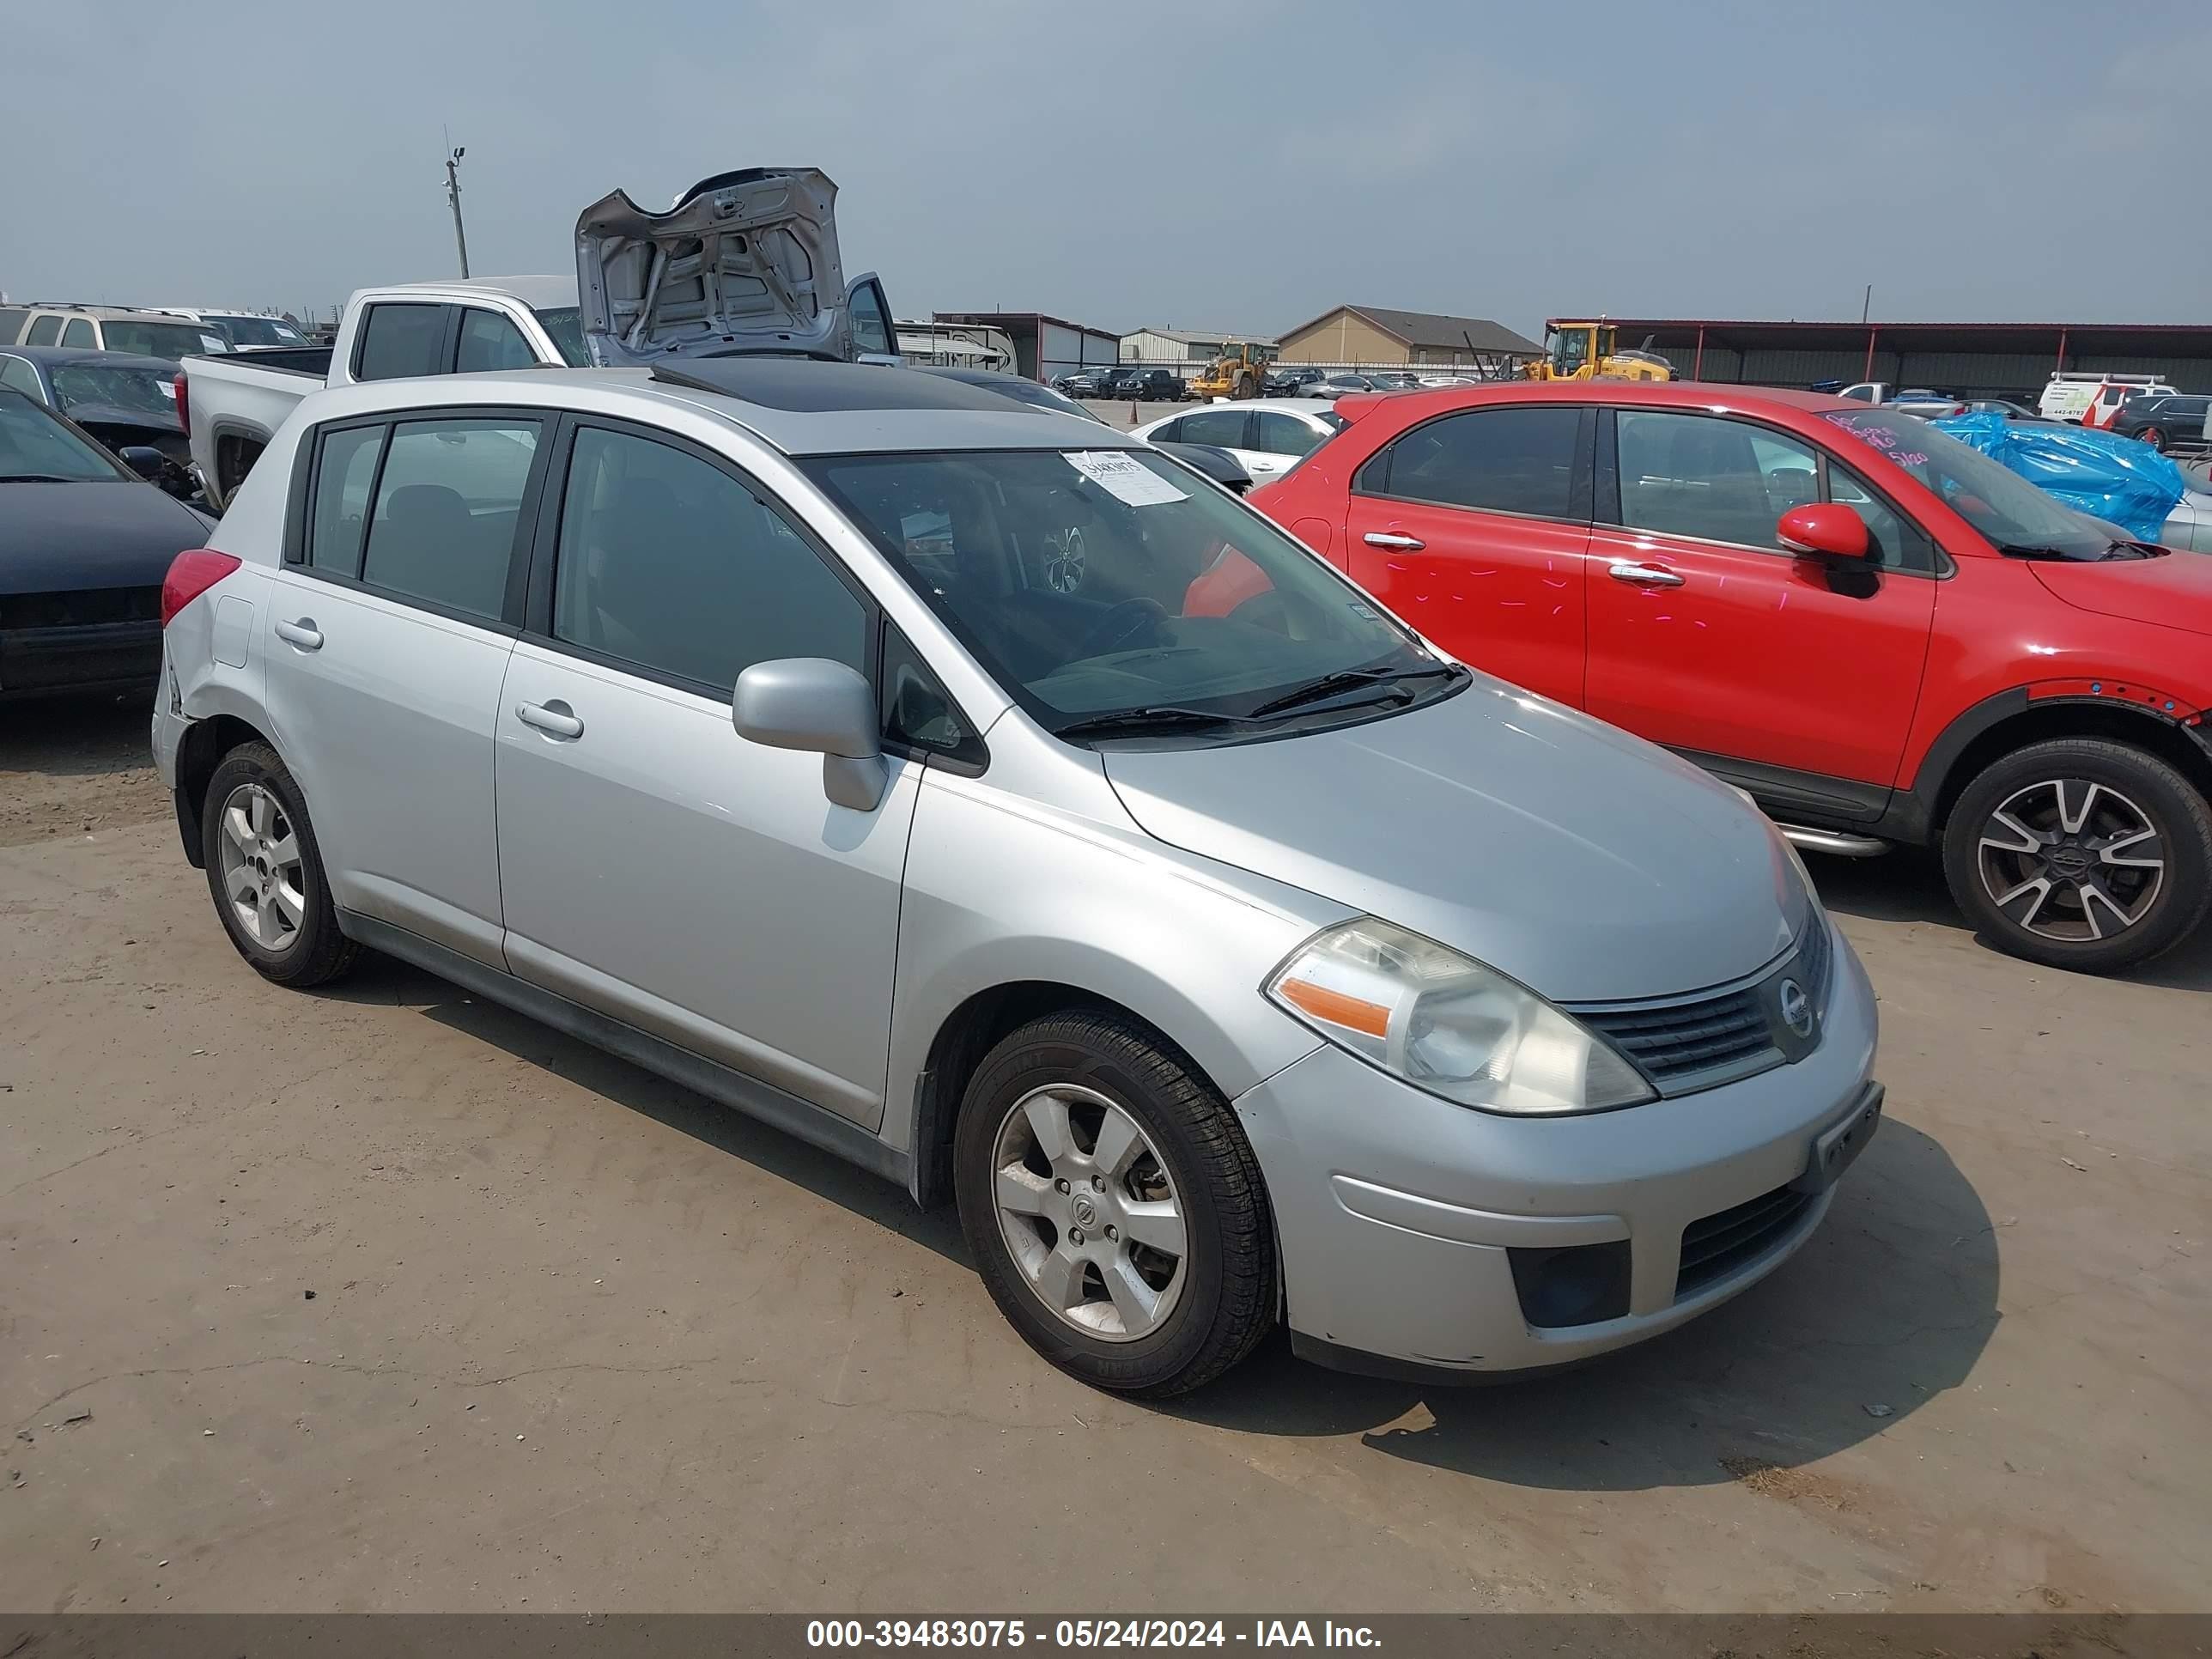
column 1991, row 359
column 1179, row 346
column 1045, row 347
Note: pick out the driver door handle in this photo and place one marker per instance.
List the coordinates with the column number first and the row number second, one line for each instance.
column 1392, row 539
column 302, row 633
column 556, row 719
column 1645, row 575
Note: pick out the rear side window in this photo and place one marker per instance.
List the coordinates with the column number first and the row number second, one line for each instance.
column 11, row 323
column 78, row 333
column 1500, row 460
column 398, row 340
column 671, row 563
column 344, row 473
column 44, row 330
column 490, row 341
column 446, row 507
column 1223, row 426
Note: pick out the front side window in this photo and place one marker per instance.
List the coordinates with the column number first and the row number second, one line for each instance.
column 490, row 341
column 1893, row 541
column 1106, row 587
column 446, row 507
column 872, row 329
column 1221, row 426
column 669, row 562
column 400, row 340
column 78, row 333
column 1499, row 461
column 1708, row 477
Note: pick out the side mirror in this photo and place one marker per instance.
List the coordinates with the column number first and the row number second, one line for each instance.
column 824, row 707
column 1829, row 528
column 144, row 459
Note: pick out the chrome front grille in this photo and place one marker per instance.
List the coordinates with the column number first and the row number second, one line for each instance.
column 1687, row 1043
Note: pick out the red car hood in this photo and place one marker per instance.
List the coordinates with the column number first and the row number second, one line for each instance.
column 2174, row 591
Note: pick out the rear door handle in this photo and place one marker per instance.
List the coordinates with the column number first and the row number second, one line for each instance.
column 302, row 633
column 1645, row 575
column 1392, row 539
column 554, row 718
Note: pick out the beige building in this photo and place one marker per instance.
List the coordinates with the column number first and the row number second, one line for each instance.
column 1377, row 338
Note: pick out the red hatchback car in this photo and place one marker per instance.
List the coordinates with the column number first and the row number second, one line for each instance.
column 1880, row 635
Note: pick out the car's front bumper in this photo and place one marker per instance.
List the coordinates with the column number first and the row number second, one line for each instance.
column 1400, row 1215
column 82, row 657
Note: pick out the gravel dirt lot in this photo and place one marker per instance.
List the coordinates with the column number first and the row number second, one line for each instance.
column 389, row 1299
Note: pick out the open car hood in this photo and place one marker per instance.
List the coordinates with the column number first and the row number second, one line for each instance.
column 744, row 261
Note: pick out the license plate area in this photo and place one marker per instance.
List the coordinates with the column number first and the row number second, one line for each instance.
column 1837, row 1149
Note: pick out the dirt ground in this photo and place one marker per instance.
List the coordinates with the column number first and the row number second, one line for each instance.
column 389, row 1299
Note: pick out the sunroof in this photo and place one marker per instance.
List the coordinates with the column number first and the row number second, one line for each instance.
column 807, row 386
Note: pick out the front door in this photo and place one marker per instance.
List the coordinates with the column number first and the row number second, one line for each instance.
column 1793, row 677
column 655, row 866
column 1473, row 528
column 385, row 641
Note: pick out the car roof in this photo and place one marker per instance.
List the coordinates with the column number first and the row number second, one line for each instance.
column 1672, row 394
column 535, row 291
column 795, row 404
column 62, row 356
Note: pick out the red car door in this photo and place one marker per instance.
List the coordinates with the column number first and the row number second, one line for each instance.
column 1794, row 677
column 1473, row 528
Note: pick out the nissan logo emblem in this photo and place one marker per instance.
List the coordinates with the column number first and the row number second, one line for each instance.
column 1797, row 1008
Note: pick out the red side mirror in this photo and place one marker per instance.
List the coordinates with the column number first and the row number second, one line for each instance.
column 1827, row 527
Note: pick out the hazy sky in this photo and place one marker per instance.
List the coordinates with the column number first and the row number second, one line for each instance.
column 1210, row 163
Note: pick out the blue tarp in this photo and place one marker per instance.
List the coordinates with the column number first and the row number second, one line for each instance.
column 2122, row 480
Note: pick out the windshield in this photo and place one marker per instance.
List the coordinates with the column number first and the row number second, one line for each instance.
column 2014, row 515
column 33, row 445
column 163, row 339
column 1100, row 584
column 565, row 326
column 257, row 331
column 1028, row 393
column 141, row 391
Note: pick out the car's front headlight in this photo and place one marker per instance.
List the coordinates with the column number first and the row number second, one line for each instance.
column 1447, row 1025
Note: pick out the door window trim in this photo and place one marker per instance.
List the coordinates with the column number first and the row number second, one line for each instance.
column 1608, row 491
column 308, row 473
column 1579, row 497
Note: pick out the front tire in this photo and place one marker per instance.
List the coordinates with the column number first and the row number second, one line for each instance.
column 2080, row 853
column 1114, row 1209
column 2154, row 437
column 265, row 871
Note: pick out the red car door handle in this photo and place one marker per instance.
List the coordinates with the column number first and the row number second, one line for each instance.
column 1645, row 575
column 1392, row 539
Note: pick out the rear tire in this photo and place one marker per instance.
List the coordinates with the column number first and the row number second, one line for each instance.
column 265, row 872
column 2154, row 437
column 2080, row 853
column 1184, row 1285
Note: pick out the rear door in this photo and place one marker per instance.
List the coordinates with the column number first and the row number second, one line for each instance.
column 390, row 624
column 656, row 866
column 1225, row 429
column 1473, row 528
column 1794, row 677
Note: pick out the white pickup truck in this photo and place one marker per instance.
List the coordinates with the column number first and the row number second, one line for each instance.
column 744, row 261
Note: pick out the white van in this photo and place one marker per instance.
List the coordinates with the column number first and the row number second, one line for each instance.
column 2089, row 397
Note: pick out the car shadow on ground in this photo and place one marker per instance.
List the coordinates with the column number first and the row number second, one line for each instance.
column 1889, row 1305
column 1907, row 886
column 381, row 979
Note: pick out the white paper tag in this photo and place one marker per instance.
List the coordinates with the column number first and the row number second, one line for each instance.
column 1123, row 477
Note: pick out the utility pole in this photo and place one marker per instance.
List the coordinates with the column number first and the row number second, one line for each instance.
column 454, row 195
column 1866, row 310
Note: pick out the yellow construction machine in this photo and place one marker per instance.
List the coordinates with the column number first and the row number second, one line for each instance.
column 1584, row 351
column 1238, row 372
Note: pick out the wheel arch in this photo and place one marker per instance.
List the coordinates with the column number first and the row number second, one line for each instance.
column 2014, row 719
column 201, row 750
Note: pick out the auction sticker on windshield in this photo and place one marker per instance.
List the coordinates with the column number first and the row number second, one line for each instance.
column 1124, row 478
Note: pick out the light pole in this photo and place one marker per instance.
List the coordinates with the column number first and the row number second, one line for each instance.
column 454, row 195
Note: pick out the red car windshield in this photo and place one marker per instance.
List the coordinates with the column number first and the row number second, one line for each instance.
column 2016, row 517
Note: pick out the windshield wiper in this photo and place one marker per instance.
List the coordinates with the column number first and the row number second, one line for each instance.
column 1162, row 716
column 1343, row 679
column 39, row 477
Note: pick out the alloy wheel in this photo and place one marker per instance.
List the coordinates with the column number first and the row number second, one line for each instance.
column 2072, row 861
column 262, row 880
column 1088, row 1211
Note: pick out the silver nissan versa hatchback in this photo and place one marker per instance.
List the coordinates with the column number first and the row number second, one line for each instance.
column 987, row 798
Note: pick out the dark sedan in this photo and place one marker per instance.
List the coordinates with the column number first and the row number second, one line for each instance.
column 2165, row 421
column 126, row 401
column 84, row 545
